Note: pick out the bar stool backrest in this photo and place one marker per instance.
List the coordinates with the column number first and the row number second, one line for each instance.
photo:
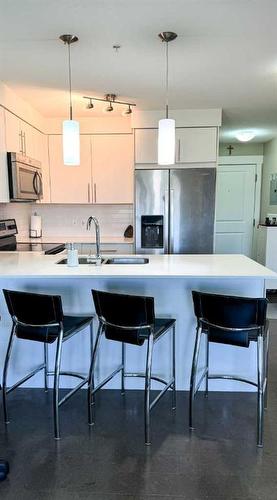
column 31, row 310
column 126, row 318
column 221, row 314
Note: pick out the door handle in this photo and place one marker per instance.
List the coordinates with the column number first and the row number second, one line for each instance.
column 95, row 192
column 88, row 192
column 166, row 225
column 171, row 215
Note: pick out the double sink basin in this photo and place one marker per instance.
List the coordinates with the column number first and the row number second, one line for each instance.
column 112, row 260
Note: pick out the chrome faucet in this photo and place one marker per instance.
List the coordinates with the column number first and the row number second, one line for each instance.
column 98, row 258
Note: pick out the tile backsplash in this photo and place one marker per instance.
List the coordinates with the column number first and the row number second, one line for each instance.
column 69, row 220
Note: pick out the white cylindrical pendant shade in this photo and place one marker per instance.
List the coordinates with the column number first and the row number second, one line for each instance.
column 71, row 142
column 166, row 142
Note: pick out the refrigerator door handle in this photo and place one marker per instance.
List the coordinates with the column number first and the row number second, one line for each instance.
column 166, row 221
column 171, row 215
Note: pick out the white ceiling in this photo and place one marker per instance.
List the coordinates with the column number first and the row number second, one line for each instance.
column 225, row 55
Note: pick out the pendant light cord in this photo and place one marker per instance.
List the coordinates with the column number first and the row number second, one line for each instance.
column 69, row 78
column 166, row 82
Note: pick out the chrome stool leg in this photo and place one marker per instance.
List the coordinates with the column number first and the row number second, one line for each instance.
column 207, row 367
column 45, row 366
column 266, row 367
column 260, row 392
column 193, row 374
column 123, row 356
column 56, row 385
column 150, row 344
column 173, row 369
column 5, row 374
column 90, row 396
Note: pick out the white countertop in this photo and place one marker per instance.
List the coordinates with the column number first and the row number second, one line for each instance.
column 76, row 239
column 36, row 264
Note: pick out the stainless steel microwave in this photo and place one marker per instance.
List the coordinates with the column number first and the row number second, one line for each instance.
column 25, row 178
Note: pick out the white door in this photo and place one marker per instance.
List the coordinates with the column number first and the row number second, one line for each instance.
column 235, row 206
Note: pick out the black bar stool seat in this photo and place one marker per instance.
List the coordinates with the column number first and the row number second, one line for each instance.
column 40, row 318
column 235, row 321
column 71, row 326
column 130, row 319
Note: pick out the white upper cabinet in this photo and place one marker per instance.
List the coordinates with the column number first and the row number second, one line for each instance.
column 4, row 186
column 14, row 140
column 70, row 184
column 113, row 168
column 193, row 145
column 146, row 146
column 196, row 145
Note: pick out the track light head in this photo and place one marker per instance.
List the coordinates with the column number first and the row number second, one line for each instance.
column 90, row 105
column 108, row 109
column 127, row 111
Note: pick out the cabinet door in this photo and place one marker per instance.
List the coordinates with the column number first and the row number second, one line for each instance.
column 70, row 184
column 14, row 142
column 30, row 137
column 4, row 186
column 112, row 168
column 146, row 146
column 42, row 156
column 196, row 145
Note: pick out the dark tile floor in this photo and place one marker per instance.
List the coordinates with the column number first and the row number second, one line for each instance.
column 219, row 461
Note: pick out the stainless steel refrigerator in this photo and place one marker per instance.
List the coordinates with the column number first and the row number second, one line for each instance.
column 174, row 210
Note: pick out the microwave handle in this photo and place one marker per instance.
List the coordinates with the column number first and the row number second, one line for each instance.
column 35, row 186
column 40, row 184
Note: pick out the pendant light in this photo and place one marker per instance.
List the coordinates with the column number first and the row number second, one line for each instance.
column 166, row 137
column 71, row 128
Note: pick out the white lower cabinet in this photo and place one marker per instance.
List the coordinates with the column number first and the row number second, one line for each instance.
column 106, row 248
column 70, row 184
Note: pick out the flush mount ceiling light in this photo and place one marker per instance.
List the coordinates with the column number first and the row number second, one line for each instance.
column 71, row 128
column 166, row 137
column 111, row 99
column 245, row 135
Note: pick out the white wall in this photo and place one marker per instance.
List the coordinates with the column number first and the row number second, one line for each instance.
column 69, row 220
column 254, row 148
column 269, row 167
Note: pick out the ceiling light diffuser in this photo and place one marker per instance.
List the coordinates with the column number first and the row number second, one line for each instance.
column 245, row 135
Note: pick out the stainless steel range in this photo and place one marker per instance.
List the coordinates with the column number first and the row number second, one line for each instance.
column 8, row 243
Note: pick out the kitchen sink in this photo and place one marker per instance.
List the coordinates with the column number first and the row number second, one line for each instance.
column 127, row 260
column 82, row 260
column 113, row 260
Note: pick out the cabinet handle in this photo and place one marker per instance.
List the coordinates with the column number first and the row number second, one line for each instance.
column 21, row 142
column 179, row 149
column 24, row 143
column 95, row 193
column 88, row 192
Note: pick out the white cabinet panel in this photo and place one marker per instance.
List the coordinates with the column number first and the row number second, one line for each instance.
column 4, row 186
column 196, row 145
column 70, row 184
column 193, row 145
column 112, row 168
column 146, row 146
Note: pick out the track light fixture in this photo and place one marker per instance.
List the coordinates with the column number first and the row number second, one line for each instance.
column 111, row 99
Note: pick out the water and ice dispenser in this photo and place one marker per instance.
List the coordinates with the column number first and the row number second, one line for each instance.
column 152, row 231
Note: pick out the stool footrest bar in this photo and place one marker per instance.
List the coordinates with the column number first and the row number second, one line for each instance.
column 24, row 379
column 70, row 393
column 70, row 374
column 142, row 375
column 155, row 401
column 232, row 377
column 107, row 379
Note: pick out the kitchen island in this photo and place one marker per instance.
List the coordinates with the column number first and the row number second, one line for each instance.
column 168, row 278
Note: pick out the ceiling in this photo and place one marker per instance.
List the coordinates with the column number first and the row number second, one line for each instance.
column 225, row 56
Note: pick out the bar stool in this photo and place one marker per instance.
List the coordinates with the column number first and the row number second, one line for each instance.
column 130, row 319
column 40, row 318
column 235, row 321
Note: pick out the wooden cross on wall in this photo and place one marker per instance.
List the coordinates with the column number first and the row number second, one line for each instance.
column 230, row 149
